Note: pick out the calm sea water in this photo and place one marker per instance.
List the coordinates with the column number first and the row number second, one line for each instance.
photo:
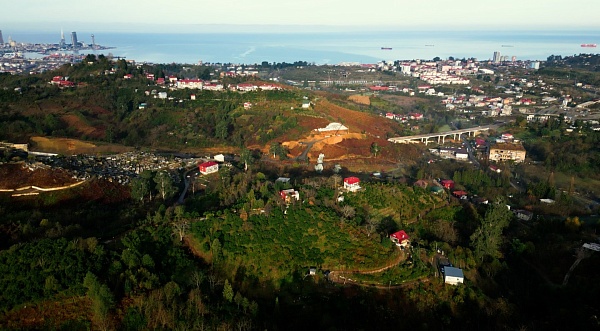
column 332, row 48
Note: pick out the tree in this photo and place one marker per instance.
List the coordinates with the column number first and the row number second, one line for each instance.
column 487, row 237
column 139, row 188
column 573, row 224
column 277, row 149
column 180, row 227
column 348, row 212
column 246, row 157
column 227, row 291
column 375, row 149
column 164, row 184
column 100, row 295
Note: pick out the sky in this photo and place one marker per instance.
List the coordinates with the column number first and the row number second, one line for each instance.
column 291, row 15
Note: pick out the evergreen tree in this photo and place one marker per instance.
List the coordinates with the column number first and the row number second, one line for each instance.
column 227, row 291
column 487, row 237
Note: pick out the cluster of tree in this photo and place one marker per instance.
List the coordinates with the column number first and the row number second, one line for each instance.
column 476, row 181
column 151, row 184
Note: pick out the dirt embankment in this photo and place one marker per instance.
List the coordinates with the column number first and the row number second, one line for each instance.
column 69, row 146
column 13, row 176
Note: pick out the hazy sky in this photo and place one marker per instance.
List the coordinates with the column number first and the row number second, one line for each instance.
column 185, row 15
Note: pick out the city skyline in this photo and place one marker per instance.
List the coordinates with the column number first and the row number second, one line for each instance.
column 309, row 15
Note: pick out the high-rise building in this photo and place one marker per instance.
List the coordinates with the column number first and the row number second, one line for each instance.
column 1, row 38
column 62, row 38
column 74, row 39
column 496, row 57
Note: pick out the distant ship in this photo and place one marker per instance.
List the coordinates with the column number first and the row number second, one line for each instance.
column 429, row 45
column 588, row 45
column 507, row 46
column 386, row 48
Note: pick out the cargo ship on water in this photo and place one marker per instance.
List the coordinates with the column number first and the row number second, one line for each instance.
column 386, row 48
column 588, row 45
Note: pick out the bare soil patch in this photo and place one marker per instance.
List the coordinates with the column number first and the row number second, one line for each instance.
column 69, row 146
column 361, row 99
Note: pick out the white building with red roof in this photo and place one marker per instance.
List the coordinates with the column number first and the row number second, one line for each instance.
column 352, row 184
column 400, row 238
column 208, row 167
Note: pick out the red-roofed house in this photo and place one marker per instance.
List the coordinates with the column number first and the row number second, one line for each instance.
column 447, row 183
column 160, row 81
column 352, row 184
column 208, row 167
column 56, row 80
column 287, row 195
column 495, row 169
column 460, row 194
column 400, row 238
column 150, row 77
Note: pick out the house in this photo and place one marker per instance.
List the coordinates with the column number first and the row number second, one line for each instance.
column 283, row 179
column 352, row 184
column 524, row 215
column 421, row 183
column 162, row 95
column 312, row 271
column 247, row 105
column 306, row 104
column 436, row 189
column 400, row 238
column 453, row 276
column 460, row 194
column 142, row 105
column 208, row 167
column 507, row 151
column 495, row 169
column 447, row 183
column 219, row 158
column 333, row 126
column 287, row 195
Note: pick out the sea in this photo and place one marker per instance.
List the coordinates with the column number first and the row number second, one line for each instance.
column 330, row 47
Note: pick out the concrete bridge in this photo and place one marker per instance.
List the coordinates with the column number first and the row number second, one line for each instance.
column 441, row 136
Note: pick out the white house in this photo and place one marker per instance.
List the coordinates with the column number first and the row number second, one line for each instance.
column 208, row 167
column 352, row 184
column 453, row 276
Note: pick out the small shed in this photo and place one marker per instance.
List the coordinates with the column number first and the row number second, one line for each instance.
column 453, row 276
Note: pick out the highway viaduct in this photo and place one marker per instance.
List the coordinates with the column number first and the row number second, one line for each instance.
column 441, row 136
